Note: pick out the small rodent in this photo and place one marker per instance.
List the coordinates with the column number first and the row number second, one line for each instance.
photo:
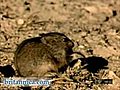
column 39, row 55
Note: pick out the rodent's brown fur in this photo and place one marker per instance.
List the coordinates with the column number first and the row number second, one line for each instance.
column 39, row 55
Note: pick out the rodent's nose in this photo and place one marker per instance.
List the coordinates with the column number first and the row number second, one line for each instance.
column 70, row 44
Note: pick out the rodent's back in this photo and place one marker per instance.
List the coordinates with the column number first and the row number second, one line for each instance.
column 31, row 57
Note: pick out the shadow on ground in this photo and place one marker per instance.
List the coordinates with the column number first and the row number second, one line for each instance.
column 92, row 64
column 7, row 71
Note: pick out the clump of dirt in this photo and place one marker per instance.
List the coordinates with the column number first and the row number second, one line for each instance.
column 93, row 26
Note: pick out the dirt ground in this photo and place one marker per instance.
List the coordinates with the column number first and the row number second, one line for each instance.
column 93, row 26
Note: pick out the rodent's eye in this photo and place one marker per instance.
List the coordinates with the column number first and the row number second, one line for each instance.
column 65, row 39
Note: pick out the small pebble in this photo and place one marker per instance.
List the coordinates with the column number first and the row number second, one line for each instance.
column 20, row 21
column 81, row 46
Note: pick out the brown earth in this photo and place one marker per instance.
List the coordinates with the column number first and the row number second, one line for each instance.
column 93, row 26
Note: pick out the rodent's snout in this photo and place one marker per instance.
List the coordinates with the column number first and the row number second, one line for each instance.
column 70, row 44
